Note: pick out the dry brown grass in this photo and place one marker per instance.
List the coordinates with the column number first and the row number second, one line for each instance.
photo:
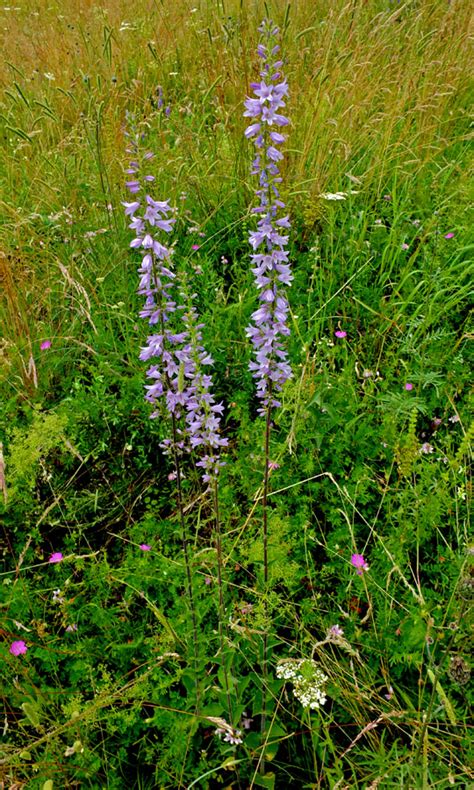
column 372, row 90
column 377, row 93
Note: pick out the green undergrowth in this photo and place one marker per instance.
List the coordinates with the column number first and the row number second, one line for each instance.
column 370, row 451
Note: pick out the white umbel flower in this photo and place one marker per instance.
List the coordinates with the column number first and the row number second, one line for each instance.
column 307, row 679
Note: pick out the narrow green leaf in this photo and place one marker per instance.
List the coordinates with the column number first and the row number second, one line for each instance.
column 20, row 91
column 19, row 133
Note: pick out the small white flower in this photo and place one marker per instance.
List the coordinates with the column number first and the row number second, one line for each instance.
column 337, row 195
column 333, row 195
column 230, row 734
column 426, row 448
column 234, row 737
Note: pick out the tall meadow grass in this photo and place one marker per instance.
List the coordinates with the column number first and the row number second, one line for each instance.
column 367, row 459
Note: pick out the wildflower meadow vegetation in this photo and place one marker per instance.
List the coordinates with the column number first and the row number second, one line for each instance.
column 235, row 417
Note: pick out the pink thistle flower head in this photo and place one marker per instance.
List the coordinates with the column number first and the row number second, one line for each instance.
column 56, row 557
column 358, row 562
column 145, row 547
column 195, row 246
column 408, row 386
column 449, row 235
column 45, row 345
column 340, row 333
column 18, row 648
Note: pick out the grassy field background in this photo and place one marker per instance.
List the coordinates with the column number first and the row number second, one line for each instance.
column 372, row 444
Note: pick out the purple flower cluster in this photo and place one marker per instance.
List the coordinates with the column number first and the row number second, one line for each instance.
column 177, row 357
column 270, row 258
column 202, row 412
column 193, row 394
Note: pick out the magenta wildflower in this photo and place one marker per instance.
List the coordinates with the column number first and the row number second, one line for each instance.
column 45, row 345
column 71, row 628
column 408, row 386
column 335, row 631
column 56, row 557
column 18, row 648
column 358, row 562
column 270, row 258
column 340, row 333
column 145, row 547
column 405, row 246
column 449, row 235
column 195, row 246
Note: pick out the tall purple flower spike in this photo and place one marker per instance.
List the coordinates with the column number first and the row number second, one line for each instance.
column 156, row 280
column 177, row 357
column 271, row 267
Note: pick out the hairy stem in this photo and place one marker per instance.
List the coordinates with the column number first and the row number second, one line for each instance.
column 265, row 563
column 184, row 542
column 222, row 623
